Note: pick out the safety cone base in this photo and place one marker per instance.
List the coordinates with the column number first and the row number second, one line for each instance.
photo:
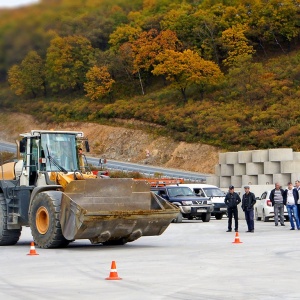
column 237, row 242
column 113, row 278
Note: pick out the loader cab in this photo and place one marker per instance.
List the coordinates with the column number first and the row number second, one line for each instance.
column 47, row 151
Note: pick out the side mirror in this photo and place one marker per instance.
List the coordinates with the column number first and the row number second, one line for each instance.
column 23, row 145
column 87, row 146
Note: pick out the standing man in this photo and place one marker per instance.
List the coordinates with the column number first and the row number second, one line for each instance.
column 298, row 204
column 276, row 197
column 232, row 199
column 290, row 199
column 247, row 206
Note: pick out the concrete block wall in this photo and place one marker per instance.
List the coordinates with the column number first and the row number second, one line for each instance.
column 264, row 179
column 256, row 167
column 271, row 167
column 260, row 155
column 239, row 169
column 249, row 179
column 244, row 156
column 225, row 181
column 289, row 166
column 280, row 154
column 226, row 170
column 282, row 178
column 236, row 181
column 231, row 158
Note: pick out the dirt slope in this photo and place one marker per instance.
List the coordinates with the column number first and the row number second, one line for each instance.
column 122, row 143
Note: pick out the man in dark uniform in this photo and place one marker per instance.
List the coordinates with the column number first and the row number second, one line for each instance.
column 232, row 199
column 248, row 202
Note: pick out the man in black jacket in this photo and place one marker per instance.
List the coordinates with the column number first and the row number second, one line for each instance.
column 248, row 202
column 232, row 199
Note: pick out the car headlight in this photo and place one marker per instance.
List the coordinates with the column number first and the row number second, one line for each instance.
column 209, row 202
column 187, row 202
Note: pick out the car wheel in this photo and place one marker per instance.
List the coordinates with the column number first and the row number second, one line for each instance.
column 178, row 218
column 257, row 218
column 264, row 218
column 205, row 217
column 219, row 216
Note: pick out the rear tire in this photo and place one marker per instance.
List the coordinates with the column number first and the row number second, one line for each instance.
column 205, row 217
column 44, row 221
column 257, row 218
column 219, row 216
column 264, row 218
column 8, row 237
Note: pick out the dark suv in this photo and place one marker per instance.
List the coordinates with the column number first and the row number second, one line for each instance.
column 190, row 205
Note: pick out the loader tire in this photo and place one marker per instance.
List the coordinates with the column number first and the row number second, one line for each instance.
column 44, row 221
column 8, row 237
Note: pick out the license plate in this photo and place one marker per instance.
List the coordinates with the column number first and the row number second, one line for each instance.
column 201, row 210
column 223, row 208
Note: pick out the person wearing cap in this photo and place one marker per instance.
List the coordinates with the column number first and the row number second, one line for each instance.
column 276, row 197
column 232, row 200
column 248, row 202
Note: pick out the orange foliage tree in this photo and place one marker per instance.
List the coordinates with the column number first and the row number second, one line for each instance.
column 187, row 68
column 99, row 83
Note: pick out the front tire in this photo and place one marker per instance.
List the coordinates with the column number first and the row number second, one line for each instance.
column 219, row 216
column 8, row 237
column 178, row 218
column 44, row 221
column 205, row 217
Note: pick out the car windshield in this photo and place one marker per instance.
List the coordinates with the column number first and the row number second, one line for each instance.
column 180, row 191
column 213, row 192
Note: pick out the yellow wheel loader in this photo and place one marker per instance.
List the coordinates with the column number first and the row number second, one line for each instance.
column 51, row 189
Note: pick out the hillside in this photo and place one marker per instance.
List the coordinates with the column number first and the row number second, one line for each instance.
column 122, row 144
column 221, row 73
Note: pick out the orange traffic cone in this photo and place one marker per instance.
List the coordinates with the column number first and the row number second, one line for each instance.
column 32, row 250
column 237, row 239
column 113, row 275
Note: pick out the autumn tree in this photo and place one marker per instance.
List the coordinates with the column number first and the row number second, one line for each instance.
column 187, row 68
column 28, row 78
column 150, row 44
column 99, row 83
column 146, row 48
column 236, row 44
column 68, row 60
column 275, row 22
column 123, row 34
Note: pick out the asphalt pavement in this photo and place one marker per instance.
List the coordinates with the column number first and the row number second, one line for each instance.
column 192, row 260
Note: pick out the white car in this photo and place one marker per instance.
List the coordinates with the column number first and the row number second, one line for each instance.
column 264, row 209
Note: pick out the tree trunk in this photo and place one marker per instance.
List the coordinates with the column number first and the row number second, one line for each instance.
column 141, row 83
column 183, row 94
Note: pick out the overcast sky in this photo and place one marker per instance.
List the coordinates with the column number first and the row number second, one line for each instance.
column 15, row 3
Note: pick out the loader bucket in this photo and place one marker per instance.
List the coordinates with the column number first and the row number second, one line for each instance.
column 113, row 209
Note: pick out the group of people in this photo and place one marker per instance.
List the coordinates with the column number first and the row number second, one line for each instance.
column 279, row 198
